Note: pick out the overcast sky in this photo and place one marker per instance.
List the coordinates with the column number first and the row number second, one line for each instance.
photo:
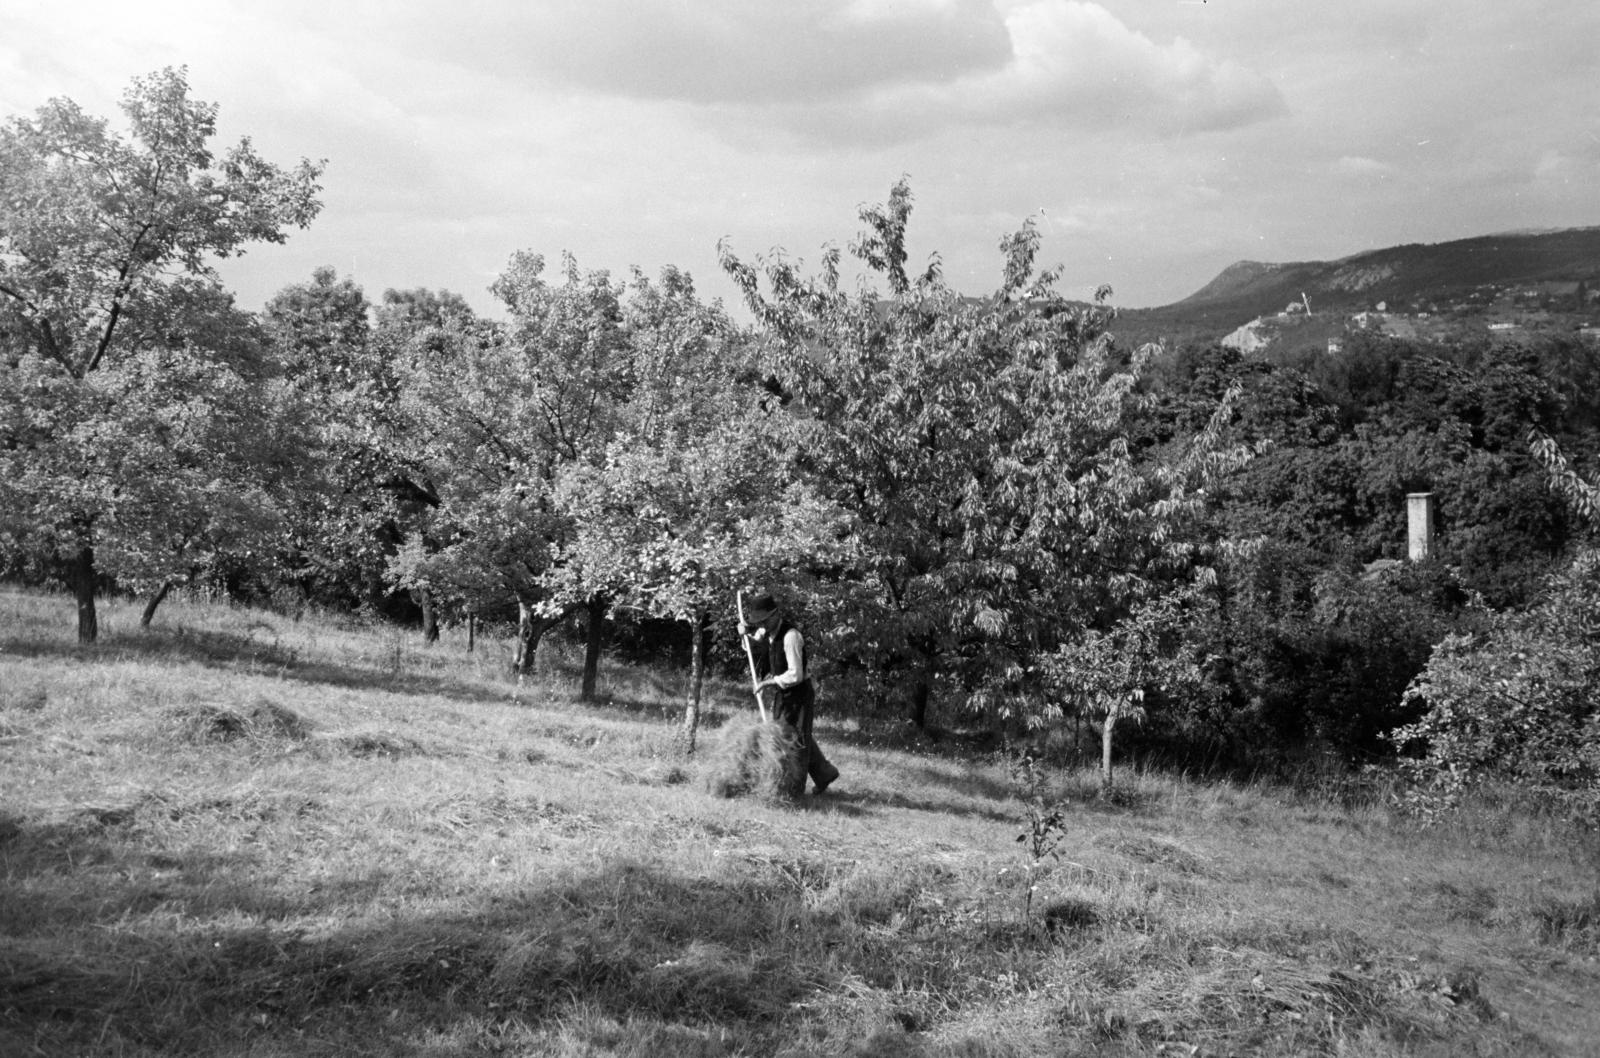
column 1154, row 141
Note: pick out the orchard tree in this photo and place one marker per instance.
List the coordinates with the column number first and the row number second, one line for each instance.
column 679, row 393
column 409, row 323
column 322, row 332
column 676, row 531
column 176, row 448
column 687, row 506
column 364, row 490
column 979, row 450
column 97, row 229
column 1105, row 674
column 410, row 312
column 223, row 436
column 500, row 414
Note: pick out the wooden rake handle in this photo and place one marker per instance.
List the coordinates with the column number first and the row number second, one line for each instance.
column 750, row 656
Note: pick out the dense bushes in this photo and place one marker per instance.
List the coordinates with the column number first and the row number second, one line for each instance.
column 1516, row 703
column 1301, row 658
column 1318, row 625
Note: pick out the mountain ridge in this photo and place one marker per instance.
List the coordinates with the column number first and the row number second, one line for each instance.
column 1414, row 277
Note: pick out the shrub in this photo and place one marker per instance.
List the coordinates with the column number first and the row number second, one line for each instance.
column 1519, row 704
column 1300, row 662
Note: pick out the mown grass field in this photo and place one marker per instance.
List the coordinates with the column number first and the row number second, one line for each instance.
column 238, row 834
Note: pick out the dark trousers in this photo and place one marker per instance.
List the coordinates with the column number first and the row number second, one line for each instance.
column 795, row 706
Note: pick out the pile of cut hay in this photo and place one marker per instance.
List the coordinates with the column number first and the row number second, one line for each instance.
column 260, row 721
column 766, row 760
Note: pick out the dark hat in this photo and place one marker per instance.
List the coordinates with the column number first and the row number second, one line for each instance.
column 759, row 609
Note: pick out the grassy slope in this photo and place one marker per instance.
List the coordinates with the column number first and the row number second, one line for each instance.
column 240, row 835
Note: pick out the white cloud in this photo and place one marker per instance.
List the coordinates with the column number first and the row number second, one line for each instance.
column 1072, row 66
column 851, row 71
column 720, row 51
column 1069, row 54
column 1361, row 166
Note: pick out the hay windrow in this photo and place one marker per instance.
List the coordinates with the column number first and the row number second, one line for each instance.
column 381, row 745
column 751, row 758
column 1156, row 853
column 261, row 721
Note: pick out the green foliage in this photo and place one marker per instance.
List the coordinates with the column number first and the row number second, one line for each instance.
column 1582, row 496
column 93, row 223
column 322, row 334
column 1313, row 638
column 978, row 450
column 1518, row 703
column 557, row 445
column 1110, row 674
column 677, row 511
column 410, row 311
column 133, row 416
column 1043, row 818
column 1289, row 658
column 1351, row 434
column 166, row 453
column 342, row 521
column 474, row 414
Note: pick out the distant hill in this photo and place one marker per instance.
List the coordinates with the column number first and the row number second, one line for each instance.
column 1414, row 277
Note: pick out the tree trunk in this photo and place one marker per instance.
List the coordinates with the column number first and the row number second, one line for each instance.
column 697, row 678
column 472, row 632
column 152, row 603
column 1105, row 750
column 375, row 591
column 83, row 586
column 919, row 704
column 430, row 616
column 598, row 605
column 530, row 629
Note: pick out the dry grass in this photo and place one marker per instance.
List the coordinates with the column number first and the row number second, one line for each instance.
column 758, row 759
column 243, row 835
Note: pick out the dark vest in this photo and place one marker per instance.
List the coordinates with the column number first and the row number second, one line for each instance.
column 776, row 661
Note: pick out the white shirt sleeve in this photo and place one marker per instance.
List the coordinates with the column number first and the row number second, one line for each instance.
column 794, row 654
